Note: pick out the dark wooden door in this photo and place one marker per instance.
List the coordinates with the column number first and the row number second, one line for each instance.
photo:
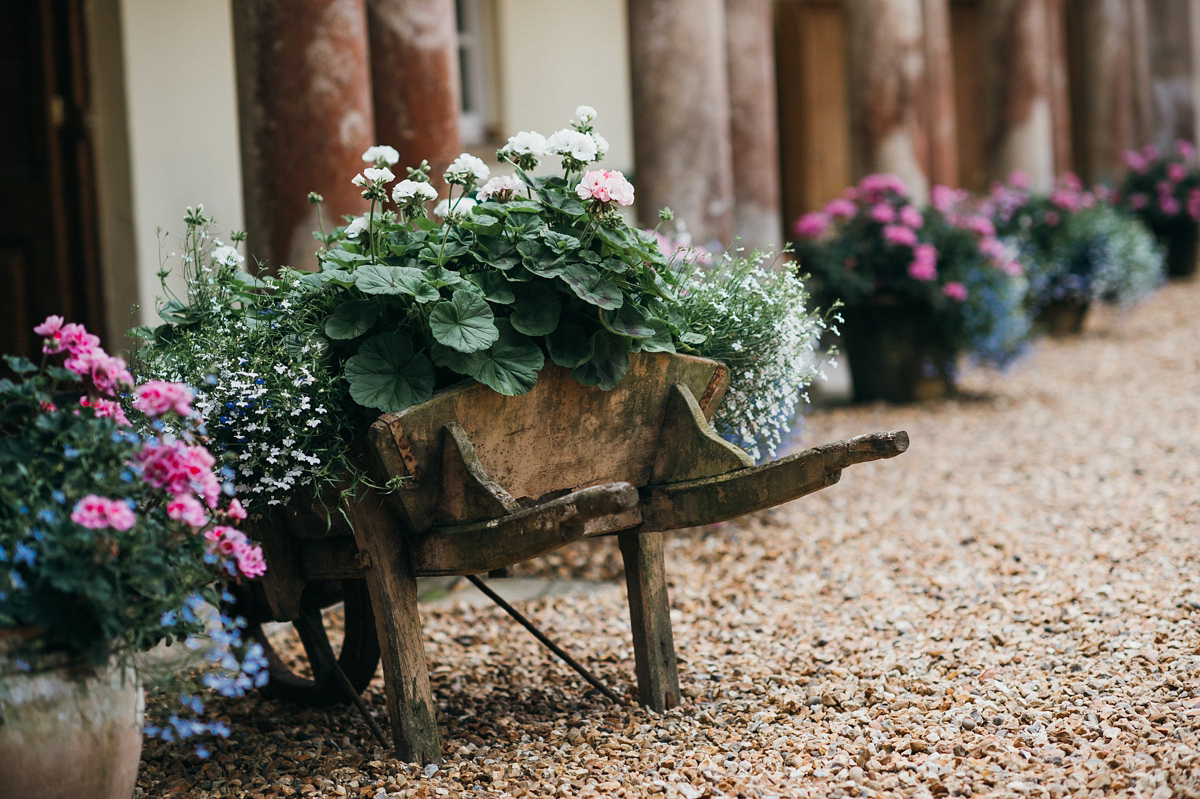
column 49, row 261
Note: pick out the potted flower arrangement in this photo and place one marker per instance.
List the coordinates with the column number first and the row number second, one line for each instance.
column 1079, row 249
column 511, row 272
column 920, row 287
column 113, row 535
column 1163, row 190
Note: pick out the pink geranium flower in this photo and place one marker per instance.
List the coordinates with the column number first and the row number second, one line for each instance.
column 811, row 225
column 924, row 263
column 883, row 213
column 97, row 512
column 900, row 235
column 955, row 291
column 605, row 185
column 156, row 397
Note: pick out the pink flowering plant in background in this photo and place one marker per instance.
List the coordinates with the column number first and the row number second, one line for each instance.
column 106, row 521
column 1076, row 245
column 874, row 244
column 1162, row 187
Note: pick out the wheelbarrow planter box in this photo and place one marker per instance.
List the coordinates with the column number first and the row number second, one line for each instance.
column 487, row 481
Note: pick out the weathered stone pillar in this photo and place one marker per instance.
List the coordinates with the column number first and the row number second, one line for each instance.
column 754, row 129
column 939, row 94
column 1173, row 38
column 887, row 84
column 1103, row 93
column 1060, row 90
column 304, row 101
column 681, row 114
column 1019, row 105
column 415, row 80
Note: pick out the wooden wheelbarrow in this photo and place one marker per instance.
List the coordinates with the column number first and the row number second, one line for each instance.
column 489, row 481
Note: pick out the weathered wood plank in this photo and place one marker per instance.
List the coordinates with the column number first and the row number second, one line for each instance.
column 466, row 492
column 393, row 591
column 727, row 496
column 495, row 543
column 688, row 447
column 650, row 618
column 561, row 435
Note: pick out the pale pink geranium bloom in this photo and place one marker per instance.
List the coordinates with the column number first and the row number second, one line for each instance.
column 899, row 235
column 1169, row 206
column 96, row 513
column 156, row 397
column 980, row 226
column 875, row 188
column 236, row 511
column 840, row 208
column 186, row 508
column 811, row 225
column 912, row 217
column 250, row 561
column 605, row 185
column 924, row 263
column 49, row 327
column 1185, row 148
column 105, row 409
column 942, row 198
column 1176, row 172
column 955, row 291
column 883, row 213
column 1135, row 161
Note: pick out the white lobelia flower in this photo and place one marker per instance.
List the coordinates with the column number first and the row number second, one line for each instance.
column 227, row 256
column 572, row 143
column 381, row 152
column 467, row 169
column 585, row 113
column 527, row 142
column 407, row 191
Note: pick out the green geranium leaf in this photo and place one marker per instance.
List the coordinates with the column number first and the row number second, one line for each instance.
column 661, row 341
column 536, row 310
column 606, row 367
column 560, row 242
column 496, row 287
column 440, row 277
column 629, row 320
column 351, row 319
column 464, row 322
column 540, row 259
column 694, row 339
column 612, row 238
column 511, row 365
column 522, row 207
column 406, row 280
column 465, row 363
column 21, row 366
column 344, row 257
column 569, row 345
column 589, row 286
column 387, row 375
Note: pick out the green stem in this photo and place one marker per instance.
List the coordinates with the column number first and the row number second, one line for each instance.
column 371, row 232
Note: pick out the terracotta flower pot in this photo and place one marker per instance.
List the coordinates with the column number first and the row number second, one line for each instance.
column 67, row 728
column 896, row 353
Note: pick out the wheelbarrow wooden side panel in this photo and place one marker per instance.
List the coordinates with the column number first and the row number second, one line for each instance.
column 558, row 437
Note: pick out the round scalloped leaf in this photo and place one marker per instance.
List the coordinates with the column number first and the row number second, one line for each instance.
column 351, row 319
column 464, row 322
column 591, row 287
column 495, row 286
column 405, row 280
column 511, row 365
column 610, row 359
column 661, row 341
column 629, row 320
column 569, row 345
column 387, row 375
column 536, row 310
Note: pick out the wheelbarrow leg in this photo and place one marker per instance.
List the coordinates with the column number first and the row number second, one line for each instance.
column 650, row 618
column 393, row 591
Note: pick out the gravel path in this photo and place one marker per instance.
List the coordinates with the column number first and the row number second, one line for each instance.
column 1008, row 609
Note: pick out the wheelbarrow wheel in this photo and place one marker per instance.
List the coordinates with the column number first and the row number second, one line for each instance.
column 357, row 657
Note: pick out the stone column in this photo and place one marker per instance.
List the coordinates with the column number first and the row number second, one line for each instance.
column 681, row 124
column 304, row 101
column 415, row 80
column 887, row 88
column 939, row 94
column 754, row 129
column 1174, row 80
column 1103, row 94
column 1020, row 117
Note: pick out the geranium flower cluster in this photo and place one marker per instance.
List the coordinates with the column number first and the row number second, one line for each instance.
column 874, row 242
column 1163, row 188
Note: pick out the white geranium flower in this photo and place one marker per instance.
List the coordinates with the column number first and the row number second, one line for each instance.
column 462, row 205
column 356, row 227
column 467, row 169
column 585, row 113
column 227, row 256
column 501, row 187
column 527, row 142
column 407, row 191
column 381, row 152
column 572, row 143
column 601, row 146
